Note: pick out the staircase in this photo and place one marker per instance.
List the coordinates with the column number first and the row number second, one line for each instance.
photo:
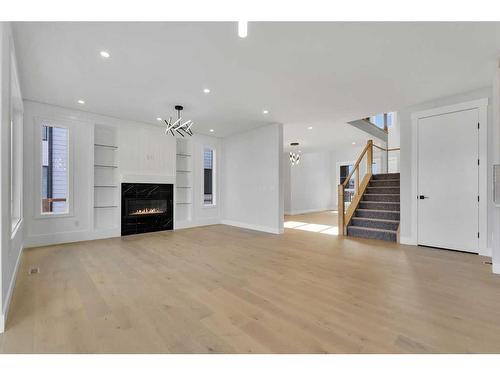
column 377, row 214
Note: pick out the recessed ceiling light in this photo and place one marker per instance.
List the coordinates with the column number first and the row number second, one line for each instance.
column 242, row 29
column 159, row 118
column 211, row 130
column 81, row 101
column 353, row 143
column 265, row 111
column 309, row 128
column 206, row 91
column 105, row 54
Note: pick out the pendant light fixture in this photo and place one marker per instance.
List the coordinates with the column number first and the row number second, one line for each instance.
column 294, row 156
column 178, row 127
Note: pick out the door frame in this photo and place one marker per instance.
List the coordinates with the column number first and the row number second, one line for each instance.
column 482, row 106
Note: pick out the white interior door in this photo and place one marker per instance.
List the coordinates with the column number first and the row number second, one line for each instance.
column 448, row 175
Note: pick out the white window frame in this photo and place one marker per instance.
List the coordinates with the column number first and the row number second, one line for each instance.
column 39, row 122
column 214, row 177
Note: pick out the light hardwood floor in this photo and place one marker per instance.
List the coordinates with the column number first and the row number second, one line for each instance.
column 221, row 289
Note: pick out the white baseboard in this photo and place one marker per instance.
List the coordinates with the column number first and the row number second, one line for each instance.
column 196, row 223
column 10, row 292
column 259, row 228
column 496, row 268
column 485, row 252
column 407, row 241
column 78, row 236
column 310, row 210
column 68, row 237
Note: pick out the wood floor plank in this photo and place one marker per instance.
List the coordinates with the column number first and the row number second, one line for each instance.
column 220, row 289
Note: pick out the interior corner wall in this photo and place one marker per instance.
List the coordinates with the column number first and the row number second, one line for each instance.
column 252, row 179
column 287, row 188
column 405, row 124
column 11, row 244
column 495, row 224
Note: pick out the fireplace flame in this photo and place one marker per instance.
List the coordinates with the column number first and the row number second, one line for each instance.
column 147, row 211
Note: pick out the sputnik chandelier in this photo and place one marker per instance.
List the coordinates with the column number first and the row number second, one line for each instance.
column 178, row 127
column 294, row 156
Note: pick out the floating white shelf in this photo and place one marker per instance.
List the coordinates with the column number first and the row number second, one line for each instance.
column 105, row 166
column 184, row 181
column 106, row 146
column 106, row 192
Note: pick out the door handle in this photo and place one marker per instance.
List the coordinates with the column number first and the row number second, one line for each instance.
column 422, row 197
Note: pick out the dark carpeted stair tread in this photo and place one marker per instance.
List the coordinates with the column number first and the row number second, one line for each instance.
column 381, row 197
column 395, row 203
column 378, row 214
column 382, row 190
column 373, row 233
column 395, row 180
column 373, row 229
column 374, row 223
column 386, row 176
column 376, row 210
column 387, row 206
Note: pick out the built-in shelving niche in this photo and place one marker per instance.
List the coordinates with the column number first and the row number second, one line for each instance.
column 106, row 185
column 183, row 194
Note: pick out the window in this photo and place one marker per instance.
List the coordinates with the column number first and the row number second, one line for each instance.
column 378, row 120
column 383, row 120
column 208, row 176
column 54, row 192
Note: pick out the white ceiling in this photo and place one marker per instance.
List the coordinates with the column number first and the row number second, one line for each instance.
column 319, row 74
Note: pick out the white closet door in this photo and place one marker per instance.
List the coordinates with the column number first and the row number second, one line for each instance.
column 448, row 181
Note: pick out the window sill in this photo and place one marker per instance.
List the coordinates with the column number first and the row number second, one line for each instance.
column 209, row 205
column 54, row 216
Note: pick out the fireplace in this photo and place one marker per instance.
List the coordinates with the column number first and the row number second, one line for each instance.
column 147, row 208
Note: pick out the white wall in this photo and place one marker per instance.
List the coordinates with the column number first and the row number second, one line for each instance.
column 252, row 182
column 144, row 155
column 310, row 183
column 404, row 115
column 11, row 243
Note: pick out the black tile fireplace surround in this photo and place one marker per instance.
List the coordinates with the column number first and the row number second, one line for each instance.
column 147, row 208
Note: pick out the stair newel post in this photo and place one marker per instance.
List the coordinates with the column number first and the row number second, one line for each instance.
column 369, row 157
column 340, row 209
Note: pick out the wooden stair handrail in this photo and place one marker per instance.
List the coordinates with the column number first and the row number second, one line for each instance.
column 345, row 217
column 387, row 149
column 369, row 144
